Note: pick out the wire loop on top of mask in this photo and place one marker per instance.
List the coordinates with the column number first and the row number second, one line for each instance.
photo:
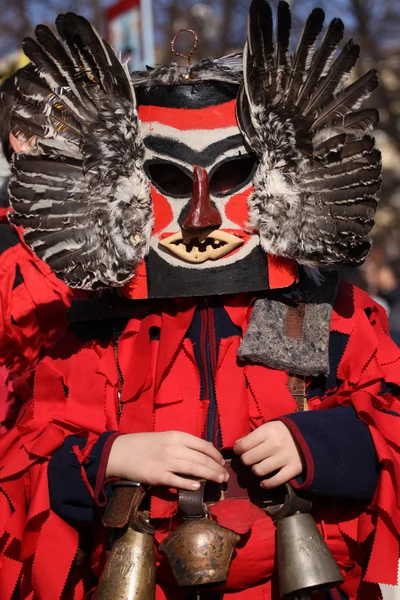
column 192, row 51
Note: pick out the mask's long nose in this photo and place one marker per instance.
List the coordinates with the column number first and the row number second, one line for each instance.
column 202, row 213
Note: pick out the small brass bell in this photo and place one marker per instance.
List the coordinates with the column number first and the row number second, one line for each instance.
column 200, row 552
column 305, row 563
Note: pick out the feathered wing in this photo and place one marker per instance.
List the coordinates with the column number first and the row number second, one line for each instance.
column 81, row 196
column 319, row 171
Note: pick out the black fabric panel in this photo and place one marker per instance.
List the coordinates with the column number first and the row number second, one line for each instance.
column 106, row 305
column 199, row 95
column 69, row 497
column 344, row 456
column 155, row 333
column 320, row 385
column 389, row 388
column 247, row 275
column 101, row 331
column 4, row 201
column 8, row 237
column 224, row 328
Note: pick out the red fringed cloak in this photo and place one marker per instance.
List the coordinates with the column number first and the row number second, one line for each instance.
column 33, row 304
column 74, row 391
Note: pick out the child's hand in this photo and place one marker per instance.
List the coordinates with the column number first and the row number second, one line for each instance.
column 163, row 458
column 19, row 146
column 271, row 448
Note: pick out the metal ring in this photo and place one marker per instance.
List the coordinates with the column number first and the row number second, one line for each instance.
column 196, row 41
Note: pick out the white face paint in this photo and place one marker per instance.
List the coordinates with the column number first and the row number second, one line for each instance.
column 201, row 175
column 170, row 157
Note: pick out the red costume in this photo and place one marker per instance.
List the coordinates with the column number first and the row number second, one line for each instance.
column 33, row 304
column 201, row 337
column 356, row 534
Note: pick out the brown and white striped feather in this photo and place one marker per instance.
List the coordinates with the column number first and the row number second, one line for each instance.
column 315, row 188
column 82, row 197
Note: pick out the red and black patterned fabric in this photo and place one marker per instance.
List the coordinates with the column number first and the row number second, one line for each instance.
column 74, row 392
column 33, row 305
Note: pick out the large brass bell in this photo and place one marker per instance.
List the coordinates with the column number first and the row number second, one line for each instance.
column 130, row 570
column 305, row 563
column 199, row 551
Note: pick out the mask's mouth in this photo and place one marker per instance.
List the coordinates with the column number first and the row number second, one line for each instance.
column 197, row 247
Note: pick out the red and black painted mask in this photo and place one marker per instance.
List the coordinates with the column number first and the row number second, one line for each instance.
column 201, row 177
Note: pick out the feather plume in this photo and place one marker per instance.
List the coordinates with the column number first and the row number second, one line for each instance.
column 281, row 70
column 54, row 78
column 315, row 187
column 92, row 47
column 350, row 99
column 67, row 37
column 79, row 49
column 82, row 198
column 322, row 60
column 303, row 55
column 260, row 47
column 333, row 82
column 121, row 76
column 260, row 33
column 244, row 120
column 53, row 48
column 366, row 119
column 282, row 57
column 332, row 144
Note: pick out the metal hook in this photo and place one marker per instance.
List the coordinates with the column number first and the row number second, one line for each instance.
column 192, row 51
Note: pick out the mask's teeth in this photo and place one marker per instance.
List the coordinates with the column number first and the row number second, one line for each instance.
column 200, row 248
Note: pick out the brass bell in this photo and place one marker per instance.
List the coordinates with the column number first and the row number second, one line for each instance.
column 305, row 563
column 130, row 569
column 200, row 552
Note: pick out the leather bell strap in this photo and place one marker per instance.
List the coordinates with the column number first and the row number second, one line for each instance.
column 241, row 485
column 191, row 502
column 292, row 503
column 294, row 328
column 122, row 509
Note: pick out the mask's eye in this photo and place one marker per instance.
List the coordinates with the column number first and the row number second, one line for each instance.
column 232, row 175
column 170, row 179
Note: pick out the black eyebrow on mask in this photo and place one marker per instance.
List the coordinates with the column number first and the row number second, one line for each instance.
column 178, row 150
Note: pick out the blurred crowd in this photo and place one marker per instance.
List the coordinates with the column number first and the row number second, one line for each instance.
column 380, row 277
